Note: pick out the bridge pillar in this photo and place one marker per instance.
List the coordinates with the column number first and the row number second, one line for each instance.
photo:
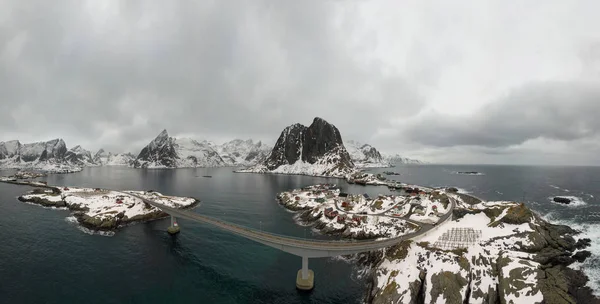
column 305, row 279
column 174, row 228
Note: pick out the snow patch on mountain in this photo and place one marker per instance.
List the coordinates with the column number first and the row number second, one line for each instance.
column 169, row 152
column 243, row 152
column 79, row 156
column 398, row 159
column 103, row 158
column 365, row 155
column 44, row 156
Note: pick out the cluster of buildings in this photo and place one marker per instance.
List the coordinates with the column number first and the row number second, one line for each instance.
column 355, row 219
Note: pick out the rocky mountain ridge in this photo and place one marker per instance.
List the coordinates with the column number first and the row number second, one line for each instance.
column 365, row 155
column 240, row 152
column 398, row 159
column 50, row 155
column 103, row 158
column 170, row 152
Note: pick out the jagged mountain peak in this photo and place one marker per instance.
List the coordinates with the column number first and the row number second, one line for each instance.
column 318, row 146
column 319, row 120
column 163, row 134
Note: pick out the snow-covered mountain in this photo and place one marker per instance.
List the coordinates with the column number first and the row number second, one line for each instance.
column 79, row 156
column 243, row 152
column 314, row 150
column 103, row 158
column 365, row 155
column 397, row 159
column 170, row 152
column 47, row 156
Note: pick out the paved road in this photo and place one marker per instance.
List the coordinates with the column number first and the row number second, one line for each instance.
column 298, row 246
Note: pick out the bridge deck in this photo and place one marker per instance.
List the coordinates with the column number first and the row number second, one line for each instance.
column 298, row 246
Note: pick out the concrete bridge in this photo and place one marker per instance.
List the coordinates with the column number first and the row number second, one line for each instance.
column 304, row 248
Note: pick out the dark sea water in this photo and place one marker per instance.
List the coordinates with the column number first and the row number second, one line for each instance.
column 47, row 259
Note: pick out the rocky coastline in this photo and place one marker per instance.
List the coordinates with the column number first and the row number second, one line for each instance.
column 515, row 256
column 102, row 210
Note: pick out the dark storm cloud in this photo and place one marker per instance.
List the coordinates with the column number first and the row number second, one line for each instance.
column 116, row 73
column 552, row 110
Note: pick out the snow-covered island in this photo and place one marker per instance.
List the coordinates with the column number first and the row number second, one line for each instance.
column 361, row 217
column 485, row 252
column 105, row 210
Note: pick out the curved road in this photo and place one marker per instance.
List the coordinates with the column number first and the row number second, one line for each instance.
column 297, row 246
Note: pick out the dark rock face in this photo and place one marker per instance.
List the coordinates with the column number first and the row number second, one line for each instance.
column 562, row 200
column 320, row 138
column 308, row 144
column 581, row 256
column 160, row 151
column 288, row 147
column 583, row 243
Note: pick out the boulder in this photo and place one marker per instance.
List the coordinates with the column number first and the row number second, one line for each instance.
column 583, row 243
column 581, row 256
column 562, row 200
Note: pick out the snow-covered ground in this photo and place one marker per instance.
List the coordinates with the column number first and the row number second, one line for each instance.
column 45, row 166
column 325, row 167
column 430, row 211
column 356, row 215
column 492, row 243
column 107, row 209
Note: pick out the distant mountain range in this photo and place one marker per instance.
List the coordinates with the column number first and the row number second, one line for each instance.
column 365, row 155
column 317, row 150
column 170, row 152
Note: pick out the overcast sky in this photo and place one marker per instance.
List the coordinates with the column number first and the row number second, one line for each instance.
column 444, row 81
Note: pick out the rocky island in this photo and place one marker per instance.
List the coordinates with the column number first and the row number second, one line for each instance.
column 103, row 210
column 469, row 173
column 452, row 247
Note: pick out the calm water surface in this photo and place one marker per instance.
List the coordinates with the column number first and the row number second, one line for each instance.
column 46, row 259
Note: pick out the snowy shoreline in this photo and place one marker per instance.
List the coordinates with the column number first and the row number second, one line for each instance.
column 488, row 251
column 98, row 209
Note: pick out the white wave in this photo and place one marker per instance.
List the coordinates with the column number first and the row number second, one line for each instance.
column 576, row 201
column 591, row 266
column 46, row 207
column 559, row 188
column 73, row 220
column 463, row 191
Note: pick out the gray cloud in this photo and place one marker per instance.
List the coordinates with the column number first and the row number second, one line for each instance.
column 551, row 110
column 119, row 75
column 406, row 79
